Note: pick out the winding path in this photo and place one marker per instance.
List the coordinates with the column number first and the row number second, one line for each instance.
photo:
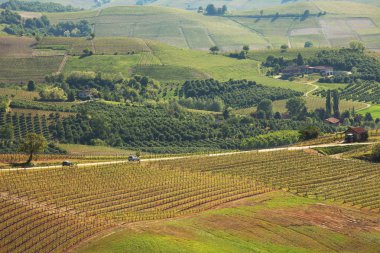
column 315, row 87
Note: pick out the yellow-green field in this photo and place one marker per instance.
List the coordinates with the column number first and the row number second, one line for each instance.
column 272, row 222
column 312, row 103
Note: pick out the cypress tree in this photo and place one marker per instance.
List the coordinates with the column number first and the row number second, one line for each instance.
column 335, row 96
column 328, row 103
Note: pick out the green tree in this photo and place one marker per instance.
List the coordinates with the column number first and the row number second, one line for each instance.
column 357, row 46
column 71, row 96
column 296, row 106
column 328, row 102
column 309, row 132
column 5, row 104
column 32, row 144
column 368, row 117
column 214, row 49
column 6, row 132
column 31, row 86
column 261, row 12
column 227, row 113
column 246, row 48
column 308, row 44
column 224, row 9
column 300, row 60
column 266, row 106
column 53, row 94
column 211, row 9
column 335, row 98
column 284, row 48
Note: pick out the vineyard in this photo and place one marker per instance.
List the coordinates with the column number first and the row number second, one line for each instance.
column 308, row 175
column 104, row 196
column 363, row 91
column 31, row 68
column 69, row 205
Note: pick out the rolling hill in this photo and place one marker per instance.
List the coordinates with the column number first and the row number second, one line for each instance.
column 187, row 29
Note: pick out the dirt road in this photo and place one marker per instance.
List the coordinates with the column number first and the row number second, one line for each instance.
column 183, row 157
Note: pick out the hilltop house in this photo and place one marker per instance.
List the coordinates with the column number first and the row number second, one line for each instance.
column 295, row 70
column 356, row 134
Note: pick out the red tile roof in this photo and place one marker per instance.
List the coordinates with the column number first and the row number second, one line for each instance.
column 357, row 130
column 332, row 120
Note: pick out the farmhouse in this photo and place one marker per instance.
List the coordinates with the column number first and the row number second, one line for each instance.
column 332, row 121
column 295, row 70
column 356, row 134
column 322, row 70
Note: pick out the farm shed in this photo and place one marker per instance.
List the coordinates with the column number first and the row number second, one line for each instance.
column 356, row 134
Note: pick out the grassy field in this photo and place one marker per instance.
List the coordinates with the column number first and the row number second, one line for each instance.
column 288, row 224
column 166, row 63
column 312, row 103
column 19, row 94
column 261, row 55
column 374, row 110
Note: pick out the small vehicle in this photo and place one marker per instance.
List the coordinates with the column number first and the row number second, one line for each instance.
column 67, row 163
column 133, row 158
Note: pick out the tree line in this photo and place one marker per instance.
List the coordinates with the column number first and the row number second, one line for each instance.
column 41, row 26
column 234, row 93
column 36, row 6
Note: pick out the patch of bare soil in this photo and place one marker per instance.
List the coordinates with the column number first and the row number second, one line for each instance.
column 335, row 218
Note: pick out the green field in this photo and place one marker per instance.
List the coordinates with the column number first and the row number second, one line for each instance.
column 166, row 63
column 273, row 222
column 374, row 110
column 312, row 103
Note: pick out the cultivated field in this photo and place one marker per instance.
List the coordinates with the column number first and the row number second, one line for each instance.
column 172, row 26
column 16, row 46
column 31, row 68
column 19, row 94
column 68, row 205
